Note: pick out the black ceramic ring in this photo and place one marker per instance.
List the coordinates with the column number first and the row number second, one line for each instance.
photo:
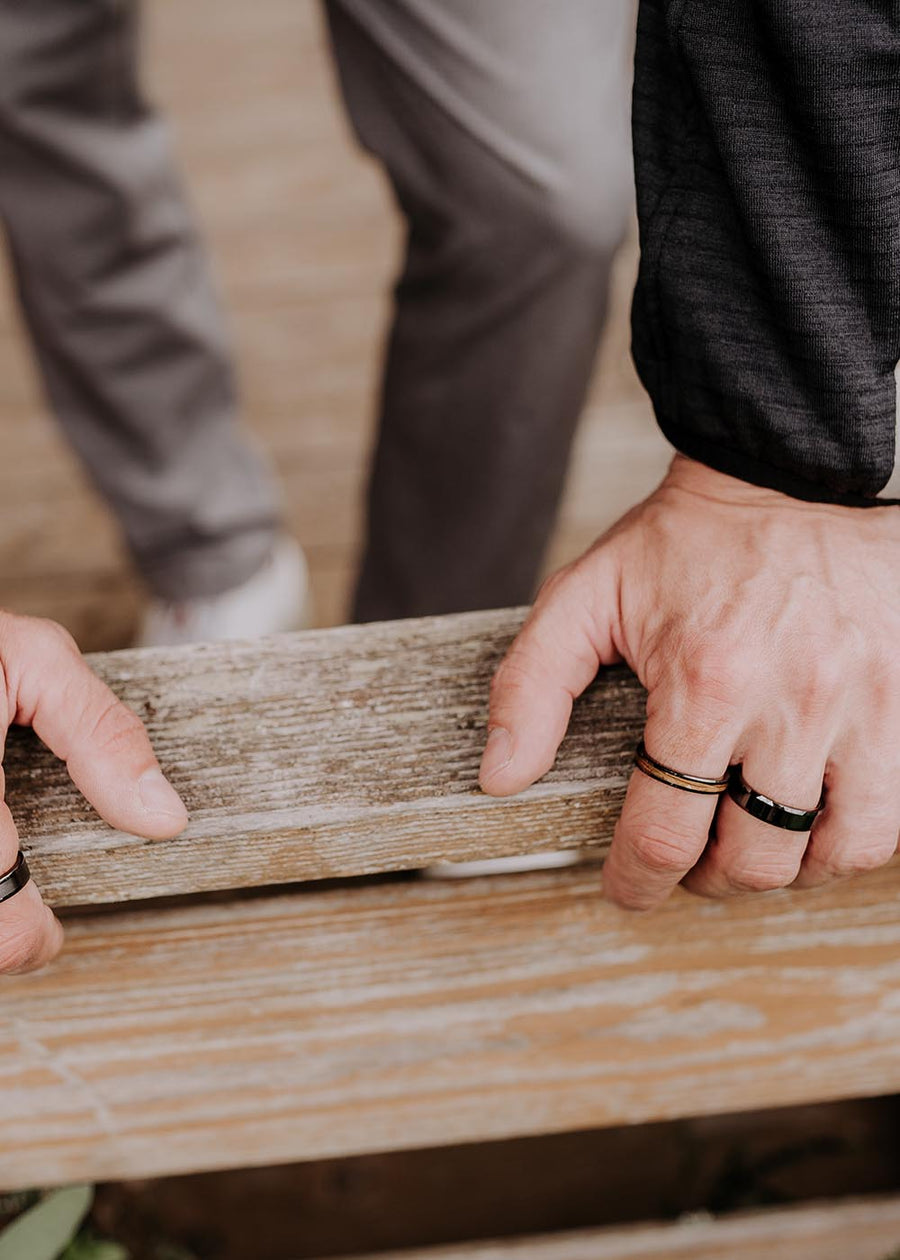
column 788, row 817
column 15, row 880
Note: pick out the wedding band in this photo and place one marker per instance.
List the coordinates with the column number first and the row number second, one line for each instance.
column 788, row 817
column 674, row 778
column 16, row 879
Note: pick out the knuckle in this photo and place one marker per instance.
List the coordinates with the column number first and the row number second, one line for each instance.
column 21, row 948
column 506, row 678
column 717, row 673
column 882, row 695
column 52, row 637
column 819, row 683
column 825, row 672
column 876, row 853
column 844, row 863
column 115, row 725
column 35, row 634
column 825, row 869
column 630, row 897
column 657, row 669
column 515, row 672
column 553, row 583
column 663, row 849
column 762, row 877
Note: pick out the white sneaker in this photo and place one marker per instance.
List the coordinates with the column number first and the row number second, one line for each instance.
column 275, row 599
column 554, row 859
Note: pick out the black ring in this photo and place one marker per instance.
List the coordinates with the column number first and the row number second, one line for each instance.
column 788, row 817
column 16, row 879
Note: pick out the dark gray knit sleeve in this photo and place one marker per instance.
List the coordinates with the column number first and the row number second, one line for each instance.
column 766, row 318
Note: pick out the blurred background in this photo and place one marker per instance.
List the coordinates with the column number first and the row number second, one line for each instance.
column 305, row 245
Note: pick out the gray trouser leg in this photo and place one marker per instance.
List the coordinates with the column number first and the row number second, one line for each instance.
column 503, row 127
column 117, row 295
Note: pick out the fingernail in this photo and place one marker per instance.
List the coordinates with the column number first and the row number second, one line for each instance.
column 159, row 797
column 497, row 754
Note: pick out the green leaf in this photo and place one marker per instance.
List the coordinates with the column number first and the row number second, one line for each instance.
column 44, row 1231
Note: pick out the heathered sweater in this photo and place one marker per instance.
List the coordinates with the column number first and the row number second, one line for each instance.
column 766, row 319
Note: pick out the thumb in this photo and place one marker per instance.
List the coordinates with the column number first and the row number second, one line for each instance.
column 104, row 744
column 568, row 635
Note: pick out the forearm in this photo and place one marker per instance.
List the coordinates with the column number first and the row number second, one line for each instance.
column 767, row 311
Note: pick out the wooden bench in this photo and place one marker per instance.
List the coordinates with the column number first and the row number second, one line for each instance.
column 288, row 1016
column 863, row 1230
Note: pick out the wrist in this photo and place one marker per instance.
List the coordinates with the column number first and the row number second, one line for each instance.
column 689, row 476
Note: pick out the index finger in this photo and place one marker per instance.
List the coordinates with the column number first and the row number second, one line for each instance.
column 552, row 660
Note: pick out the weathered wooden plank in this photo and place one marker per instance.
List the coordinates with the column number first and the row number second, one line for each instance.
column 264, row 1029
column 332, row 753
column 862, row 1229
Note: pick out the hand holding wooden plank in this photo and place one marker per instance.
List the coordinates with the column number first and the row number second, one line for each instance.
column 765, row 630
column 45, row 684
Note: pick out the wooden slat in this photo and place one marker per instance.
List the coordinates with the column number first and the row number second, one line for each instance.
column 334, row 753
column 265, row 1029
column 858, row 1230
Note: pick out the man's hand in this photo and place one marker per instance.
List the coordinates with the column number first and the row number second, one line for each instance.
column 44, row 683
column 767, row 632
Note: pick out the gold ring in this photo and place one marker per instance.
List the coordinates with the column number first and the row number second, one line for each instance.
column 674, row 778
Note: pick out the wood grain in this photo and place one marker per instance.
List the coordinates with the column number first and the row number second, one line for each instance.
column 334, row 753
column 858, row 1230
column 322, row 1022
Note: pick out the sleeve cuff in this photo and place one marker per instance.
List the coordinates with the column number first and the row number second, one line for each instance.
column 769, row 476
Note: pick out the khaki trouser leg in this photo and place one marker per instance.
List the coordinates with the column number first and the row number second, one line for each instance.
column 503, row 126
column 117, row 295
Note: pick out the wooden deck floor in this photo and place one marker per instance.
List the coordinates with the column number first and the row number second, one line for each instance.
column 305, row 243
